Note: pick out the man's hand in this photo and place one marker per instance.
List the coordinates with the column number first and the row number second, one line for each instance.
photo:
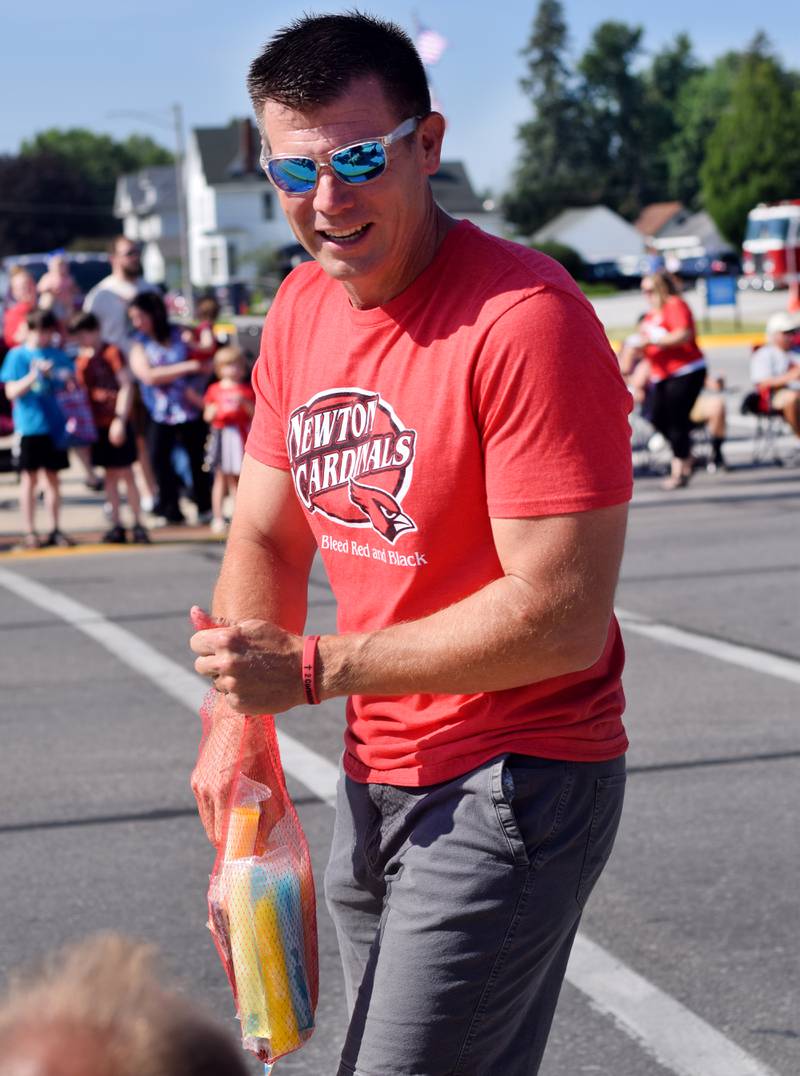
column 255, row 664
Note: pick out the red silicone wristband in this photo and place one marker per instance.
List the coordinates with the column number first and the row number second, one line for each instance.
column 309, row 670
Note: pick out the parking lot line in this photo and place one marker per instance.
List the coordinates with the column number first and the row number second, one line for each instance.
column 669, row 1032
column 734, row 653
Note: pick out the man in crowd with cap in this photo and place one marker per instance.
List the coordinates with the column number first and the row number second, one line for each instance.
column 775, row 367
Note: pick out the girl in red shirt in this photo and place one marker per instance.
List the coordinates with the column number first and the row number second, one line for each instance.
column 677, row 369
column 229, row 405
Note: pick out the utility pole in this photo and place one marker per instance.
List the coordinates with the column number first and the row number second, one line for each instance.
column 183, row 216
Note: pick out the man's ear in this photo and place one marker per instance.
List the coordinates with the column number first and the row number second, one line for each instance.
column 430, row 135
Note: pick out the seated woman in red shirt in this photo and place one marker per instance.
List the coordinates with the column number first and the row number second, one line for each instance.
column 677, row 369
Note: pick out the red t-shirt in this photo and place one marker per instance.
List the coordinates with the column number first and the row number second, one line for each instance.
column 12, row 319
column 486, row 389
column 230, row 401
column 665, row 361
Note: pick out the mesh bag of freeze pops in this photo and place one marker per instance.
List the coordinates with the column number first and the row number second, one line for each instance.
column 261, row 900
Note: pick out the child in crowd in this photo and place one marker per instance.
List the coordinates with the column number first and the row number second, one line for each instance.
column 101, row 370
column 31, row 373
column 229, row 406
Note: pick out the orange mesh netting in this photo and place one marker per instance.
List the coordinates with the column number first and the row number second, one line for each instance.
column 262, row 910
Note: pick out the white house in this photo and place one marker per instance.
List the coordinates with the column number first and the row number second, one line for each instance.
column 147, row 203
column 233, row 211
column 596, row 232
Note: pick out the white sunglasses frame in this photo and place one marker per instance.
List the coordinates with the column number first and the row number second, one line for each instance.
column 403, row 129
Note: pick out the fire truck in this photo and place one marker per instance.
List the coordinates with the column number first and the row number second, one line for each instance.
column 771, row 247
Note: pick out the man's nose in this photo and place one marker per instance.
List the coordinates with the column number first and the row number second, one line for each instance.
column 331, row 194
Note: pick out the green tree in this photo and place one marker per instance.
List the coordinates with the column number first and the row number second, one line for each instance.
column 99, row 160
column 753, row 153
column 614, row 95
column 664, row 81
column 554, row 169
column 44, row 202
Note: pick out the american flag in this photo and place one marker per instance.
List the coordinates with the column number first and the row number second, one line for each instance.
column 430, row 45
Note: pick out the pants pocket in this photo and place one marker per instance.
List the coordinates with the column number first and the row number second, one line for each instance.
column 608, row 796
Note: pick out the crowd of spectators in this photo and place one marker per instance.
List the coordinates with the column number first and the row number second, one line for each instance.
column 675, row 393
column 155, row 414
column 137, row 401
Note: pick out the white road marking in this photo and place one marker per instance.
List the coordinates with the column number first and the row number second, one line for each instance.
column 186, row 687
column 672, row 1034
column 733, row 653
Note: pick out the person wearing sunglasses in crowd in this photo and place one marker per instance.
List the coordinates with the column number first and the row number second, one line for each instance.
column 677, row 370
column 416, row 422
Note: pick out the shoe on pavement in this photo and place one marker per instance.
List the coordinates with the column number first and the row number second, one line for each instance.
column 115, row 536
column 218, row 525
column 139, row 534
column 31, row 541
column 59, row 539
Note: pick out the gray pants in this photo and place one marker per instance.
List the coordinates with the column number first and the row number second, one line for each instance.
column 456, row 906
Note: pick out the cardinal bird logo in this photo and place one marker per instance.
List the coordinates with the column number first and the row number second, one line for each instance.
column 352, row 460
column 382, row 510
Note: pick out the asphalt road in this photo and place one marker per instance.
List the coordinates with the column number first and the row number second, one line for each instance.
column 98, row 829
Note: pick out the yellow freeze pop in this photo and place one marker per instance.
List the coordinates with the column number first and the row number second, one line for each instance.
column 253, row 1012
column 242, row 831
column 284, row 1035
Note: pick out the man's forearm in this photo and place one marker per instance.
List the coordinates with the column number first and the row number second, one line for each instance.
column 503, row 636
column 256, row 583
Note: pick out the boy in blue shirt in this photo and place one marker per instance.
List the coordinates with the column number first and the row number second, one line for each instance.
column 32, row 373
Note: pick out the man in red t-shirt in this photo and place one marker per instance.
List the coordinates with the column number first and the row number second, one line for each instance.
column 416, row 422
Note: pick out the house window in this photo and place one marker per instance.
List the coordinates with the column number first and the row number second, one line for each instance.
column 214, row 262
column 268, row 206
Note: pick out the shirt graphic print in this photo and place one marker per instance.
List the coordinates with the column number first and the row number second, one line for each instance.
column 352, row 460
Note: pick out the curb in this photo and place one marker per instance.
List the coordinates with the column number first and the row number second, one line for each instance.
column 709, row 341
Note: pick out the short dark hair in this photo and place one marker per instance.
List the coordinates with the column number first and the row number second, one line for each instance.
column 313, row 60
column 84, row 321
column 151, row 303
column 41, row 319
column 115, row 242
column 207, row 308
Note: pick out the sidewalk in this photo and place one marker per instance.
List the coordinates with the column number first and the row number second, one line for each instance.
column 82, row 518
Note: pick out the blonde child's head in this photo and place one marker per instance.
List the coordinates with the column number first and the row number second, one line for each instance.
column 229, row 363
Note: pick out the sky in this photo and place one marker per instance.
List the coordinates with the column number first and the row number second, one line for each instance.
column 83, row 63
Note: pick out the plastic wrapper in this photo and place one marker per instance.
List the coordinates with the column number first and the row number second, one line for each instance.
column 261, row 900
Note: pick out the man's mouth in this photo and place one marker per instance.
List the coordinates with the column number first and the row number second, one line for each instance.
column 344, row 235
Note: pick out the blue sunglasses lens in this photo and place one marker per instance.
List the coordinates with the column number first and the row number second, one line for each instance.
column 295, row 175
column 359, row 164
column 356, row 164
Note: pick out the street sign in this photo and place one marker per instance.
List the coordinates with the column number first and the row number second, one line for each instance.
column 721, row 291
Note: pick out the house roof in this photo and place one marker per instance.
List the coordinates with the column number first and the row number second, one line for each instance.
column 698, row 226
column 221, row 153
column 150, row 190
column 453, row 191
column 656, row 216
column 564, row 220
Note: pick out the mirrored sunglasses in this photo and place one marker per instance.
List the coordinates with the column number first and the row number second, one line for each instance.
column 357, row 163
